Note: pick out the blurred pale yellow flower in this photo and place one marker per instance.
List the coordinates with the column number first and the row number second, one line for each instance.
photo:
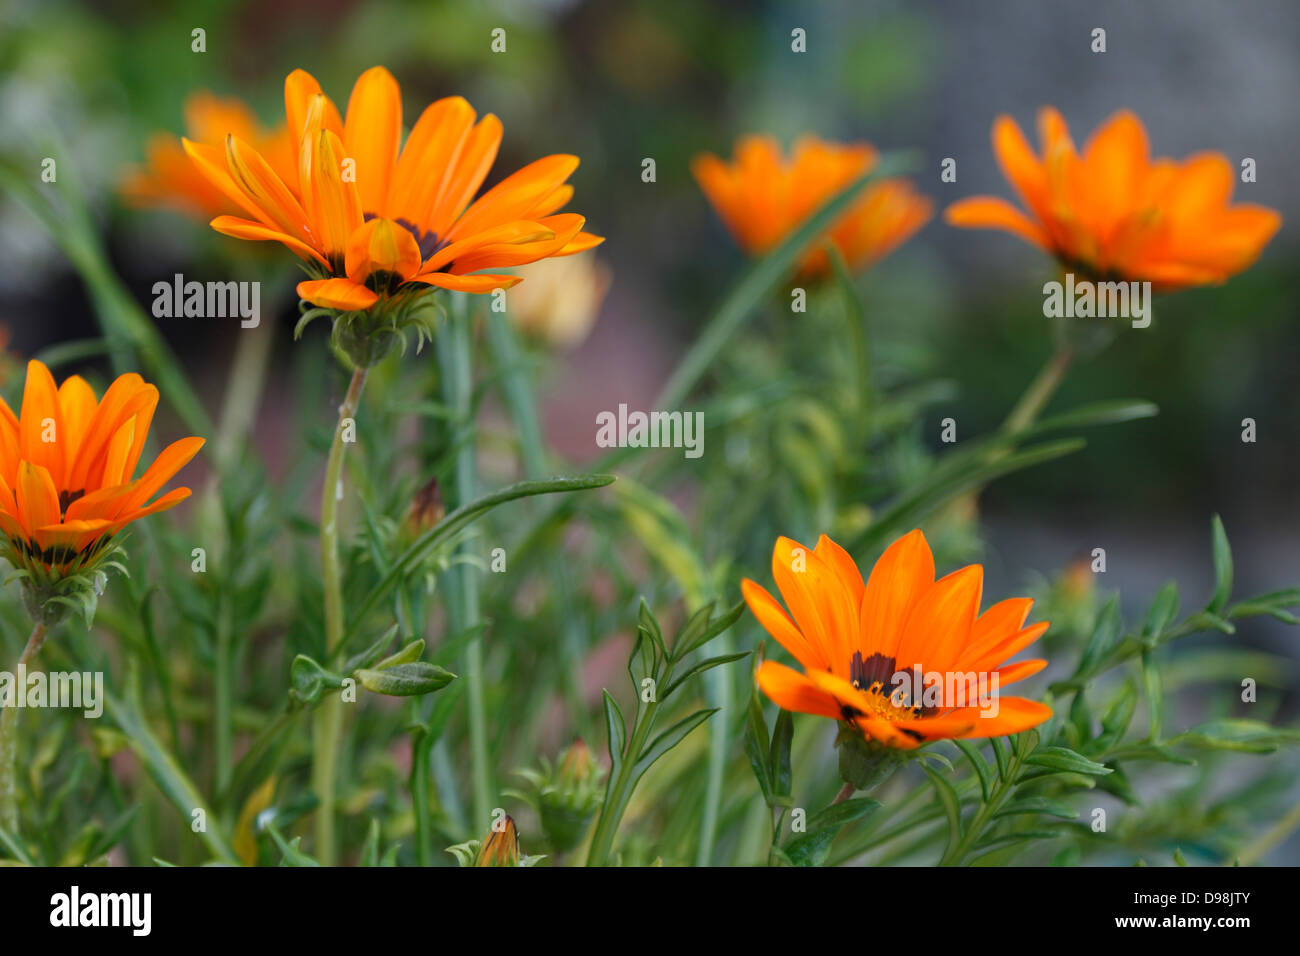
column 561, row 299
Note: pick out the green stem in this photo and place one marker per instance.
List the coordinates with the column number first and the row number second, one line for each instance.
column 619, row 793
column 463, row 611
column 846, row 791
column 327, row 727
column 1040, row 390
column 9, row 738
column 1006, row 783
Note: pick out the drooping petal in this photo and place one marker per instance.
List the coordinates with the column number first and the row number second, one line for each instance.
column 343, row 294
column 381, row 245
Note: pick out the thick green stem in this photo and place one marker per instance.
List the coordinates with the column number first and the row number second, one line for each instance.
column 463, row 612
column 9, row 736
column 327, row 727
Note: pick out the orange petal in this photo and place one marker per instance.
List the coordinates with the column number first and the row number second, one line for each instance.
column 169, row 500
column 37, row 497
column 580, row 243
column 1019, row 671
column 844, row 566
column 477, row 154
column 127, row 396
column 516, row 196
column 476, row 284
column 903, row 573
column 1015, row 714
column 299, row 89
column 509, row 233
column 381, row 245
column 342, row 294
column 77, row 403
column 792, row 691
column 776, row 622
column 42, row 419
column 264, row 188
column 989, row 212
column 211, row 163
column 371, row 134
column 244, row 229
column 428, row 160
column 940, row 623
column 172, row 459
column 73, row 535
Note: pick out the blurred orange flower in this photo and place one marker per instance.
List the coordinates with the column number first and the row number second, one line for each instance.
column 762, row 197
column 1114, row 212
column 66, row 467
column 853, row 639
column 369, row 217
column 170, row 179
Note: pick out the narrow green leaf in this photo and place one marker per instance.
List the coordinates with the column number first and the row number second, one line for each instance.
column 982, row 770
column 617, row 733
column 756, row 747
column 951, row 805
column 703, row 666
column 1222, row 567
column 779, row 754
column 671, row 737
column 1061, row 758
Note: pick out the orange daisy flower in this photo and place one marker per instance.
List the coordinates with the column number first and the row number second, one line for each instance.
column 66, row 467
column 169, row 178
column 1116, row 213
column 854, row 639
column 762, row 197
column 370, row 219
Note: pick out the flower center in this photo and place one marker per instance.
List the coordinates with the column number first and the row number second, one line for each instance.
column 66, row 498
column 887, row 698
column 427, row 241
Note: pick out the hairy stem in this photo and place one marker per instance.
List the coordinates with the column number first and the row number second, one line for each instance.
column 327, row 727
column 9, row 738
